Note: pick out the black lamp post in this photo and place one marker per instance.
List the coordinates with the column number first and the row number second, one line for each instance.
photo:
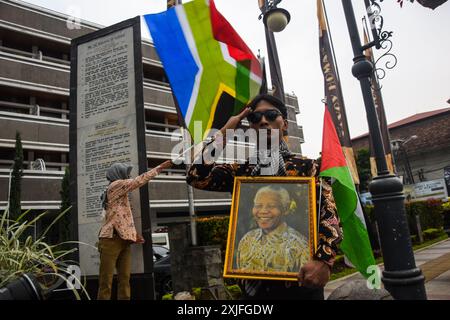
column 401, row 277
column 275, row 20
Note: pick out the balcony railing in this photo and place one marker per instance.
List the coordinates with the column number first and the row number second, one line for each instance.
column 49, row 166
column 38, row 56
column 160, row 126
column 34, row 109
column 159, row 83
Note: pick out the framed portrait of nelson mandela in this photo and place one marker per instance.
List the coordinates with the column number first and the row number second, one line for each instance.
column 273, row 227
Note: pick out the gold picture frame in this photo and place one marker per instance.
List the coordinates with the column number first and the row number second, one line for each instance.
column 272, row 232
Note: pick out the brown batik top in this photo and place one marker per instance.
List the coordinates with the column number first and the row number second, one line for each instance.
column 118, row 209
column 220, row 177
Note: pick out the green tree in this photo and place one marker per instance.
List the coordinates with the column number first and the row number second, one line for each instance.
column 363, row 165
column 65, row 222
column 15, row 208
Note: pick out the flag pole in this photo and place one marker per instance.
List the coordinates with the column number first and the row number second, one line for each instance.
column 331, row 45
column 320, row 202
column 187, row 147
column 333, row 89
column 379, row 105
column 185, row 150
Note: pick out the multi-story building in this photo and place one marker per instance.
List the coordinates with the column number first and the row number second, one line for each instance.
column 34, row 100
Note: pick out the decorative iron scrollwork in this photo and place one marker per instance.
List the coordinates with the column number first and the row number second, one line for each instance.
column 381, row 40
column 376, row 20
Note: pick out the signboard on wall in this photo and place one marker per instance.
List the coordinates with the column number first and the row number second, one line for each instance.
column 447, row 179
column 435, row 189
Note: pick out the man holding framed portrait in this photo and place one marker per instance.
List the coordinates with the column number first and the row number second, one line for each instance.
column 267, row 117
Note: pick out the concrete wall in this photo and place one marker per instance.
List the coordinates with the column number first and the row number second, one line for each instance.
column 432, row 164
column 36, row 73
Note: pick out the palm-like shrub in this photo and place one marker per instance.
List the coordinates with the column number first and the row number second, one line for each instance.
column 21, row 254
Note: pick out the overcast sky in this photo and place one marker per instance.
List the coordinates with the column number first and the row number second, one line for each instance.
column 420, row 82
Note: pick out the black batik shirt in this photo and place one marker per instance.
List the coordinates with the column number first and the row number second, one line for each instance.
column 220, row 177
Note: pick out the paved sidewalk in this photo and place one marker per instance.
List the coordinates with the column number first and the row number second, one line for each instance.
column 434, row 261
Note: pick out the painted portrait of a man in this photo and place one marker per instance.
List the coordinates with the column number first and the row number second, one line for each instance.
column 273, row 245
column 272, row 230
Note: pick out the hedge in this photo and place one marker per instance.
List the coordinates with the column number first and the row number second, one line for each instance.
column 198, row 294
column 431, row 214
column 213, row 231
column 432, row 233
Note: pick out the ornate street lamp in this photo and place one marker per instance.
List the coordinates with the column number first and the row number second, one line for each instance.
column 432, row 4
column 401, row 277
column 275, row 20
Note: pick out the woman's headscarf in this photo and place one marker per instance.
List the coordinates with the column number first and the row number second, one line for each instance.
column 118, row 171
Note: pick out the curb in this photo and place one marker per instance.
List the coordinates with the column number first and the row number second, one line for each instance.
column 380, row 264
column 434, row 244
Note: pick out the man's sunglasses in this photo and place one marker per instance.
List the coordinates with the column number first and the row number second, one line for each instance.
column 271, row 115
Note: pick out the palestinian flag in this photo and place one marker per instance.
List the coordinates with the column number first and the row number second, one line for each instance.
column 355, row 243
column 212, row 72
column 333, row 91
